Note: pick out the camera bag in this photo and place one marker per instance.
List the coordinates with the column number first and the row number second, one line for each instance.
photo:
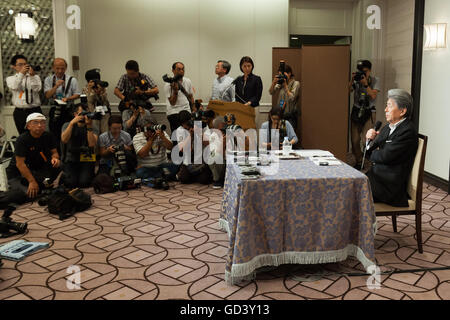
column 66, row 204
column 103, row 183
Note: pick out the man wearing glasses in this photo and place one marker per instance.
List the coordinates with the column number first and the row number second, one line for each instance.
column 25, row 86
column 36, row 163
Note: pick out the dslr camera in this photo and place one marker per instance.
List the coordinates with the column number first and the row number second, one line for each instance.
column 100, row 84
column 282, row 69
column 7, row 224
column 36, row 68
column 168, row 79
column 98, row 113
column 360, row 74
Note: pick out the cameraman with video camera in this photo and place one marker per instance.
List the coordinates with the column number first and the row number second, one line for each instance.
column 95, row 92
column 135, row 86
column 179, row 93
column 366, row 88
column 288, row 90
column 151, row 147
column 114, row 143
column 135, row 117
column 25, row 86
column 79, row 140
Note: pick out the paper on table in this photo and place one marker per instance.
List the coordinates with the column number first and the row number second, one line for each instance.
column 331, row 161
column 314, row 153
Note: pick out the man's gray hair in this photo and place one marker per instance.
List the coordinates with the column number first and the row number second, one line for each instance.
column 226, row 65
column 403, row 100
column 217, row 121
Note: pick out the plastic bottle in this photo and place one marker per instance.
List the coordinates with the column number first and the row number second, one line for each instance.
column 287, row 147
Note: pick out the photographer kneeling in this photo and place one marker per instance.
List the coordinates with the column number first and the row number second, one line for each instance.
column 135, row 117
column 35, row 164
column 112, row 143
column 79, row 141
column 150, row 146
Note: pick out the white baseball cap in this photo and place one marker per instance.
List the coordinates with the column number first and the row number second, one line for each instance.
column 35, row 116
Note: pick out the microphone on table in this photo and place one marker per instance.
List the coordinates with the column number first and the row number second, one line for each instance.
column 376, row 128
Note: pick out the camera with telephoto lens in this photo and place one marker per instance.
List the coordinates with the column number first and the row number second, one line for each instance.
column 360, row 73
column 168, row 79
column 7, row 224
column 282, row 69
column 154, row 128
column 121, row 159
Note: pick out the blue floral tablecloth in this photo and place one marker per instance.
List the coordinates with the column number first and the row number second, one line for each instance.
column 304, row 214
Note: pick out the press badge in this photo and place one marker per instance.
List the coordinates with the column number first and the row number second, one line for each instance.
column 87, row 157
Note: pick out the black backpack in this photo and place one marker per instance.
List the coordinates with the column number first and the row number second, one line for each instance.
column 66, row 204
column 103, row 183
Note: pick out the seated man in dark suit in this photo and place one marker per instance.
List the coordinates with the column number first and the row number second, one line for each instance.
column 393, row 151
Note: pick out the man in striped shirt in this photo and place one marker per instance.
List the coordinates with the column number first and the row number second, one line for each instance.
column 151, row 148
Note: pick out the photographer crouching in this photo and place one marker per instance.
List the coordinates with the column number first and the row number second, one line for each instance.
column 135, row 117
column 79, row 141
column 35, row 164
column 114, row 145
column 366, row 88
column 151, row 147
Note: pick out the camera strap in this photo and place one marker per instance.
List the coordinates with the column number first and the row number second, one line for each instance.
column 27, row 94
column 64, row 88
column 183, row 90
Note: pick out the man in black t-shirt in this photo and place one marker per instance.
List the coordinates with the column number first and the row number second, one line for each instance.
column 78, row 143
column 35, row 159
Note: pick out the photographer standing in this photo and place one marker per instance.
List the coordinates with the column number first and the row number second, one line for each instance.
column 135, row 86
column 64, row 88
column 150, row 146
column 95, row 92
column 25, row 86
column 113, row 141
column 366, row 88
column 179, row 93
column 79, row 141
column 288, row 90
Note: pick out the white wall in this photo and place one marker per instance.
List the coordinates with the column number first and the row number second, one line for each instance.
column 435, row 102
column 157, row 33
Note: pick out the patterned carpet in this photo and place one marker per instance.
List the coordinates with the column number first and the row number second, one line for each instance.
column 151, row 244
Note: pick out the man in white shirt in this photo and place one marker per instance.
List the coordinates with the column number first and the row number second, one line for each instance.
column 179, row 95
column 25, row 86
column 223, row 86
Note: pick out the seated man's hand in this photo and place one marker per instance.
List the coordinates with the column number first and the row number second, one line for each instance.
column 77, row 119
column 64, row 99
column 111, row 149
column 139, row 91
column 372, row 134
column 33, row 190
column 56, row 162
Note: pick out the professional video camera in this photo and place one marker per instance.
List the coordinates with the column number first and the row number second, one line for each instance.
column 282, row 69
column 168, row 79
column 7, row 225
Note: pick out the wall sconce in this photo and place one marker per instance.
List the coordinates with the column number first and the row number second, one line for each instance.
column 436, row 36
column 25, row 26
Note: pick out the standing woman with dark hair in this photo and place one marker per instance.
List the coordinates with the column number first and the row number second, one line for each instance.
column 248, row 86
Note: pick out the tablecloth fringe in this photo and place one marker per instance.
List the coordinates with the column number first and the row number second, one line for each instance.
column 223, row 226
column 247, row 271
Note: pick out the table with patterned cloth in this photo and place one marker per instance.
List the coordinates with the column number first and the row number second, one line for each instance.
column 303, row 214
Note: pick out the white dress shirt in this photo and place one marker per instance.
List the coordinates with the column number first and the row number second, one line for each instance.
column 23, row 87
column 223, row 89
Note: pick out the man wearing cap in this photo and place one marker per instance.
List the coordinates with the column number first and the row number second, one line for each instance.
column 36, row 162
column 95, row 92
column 25, row 86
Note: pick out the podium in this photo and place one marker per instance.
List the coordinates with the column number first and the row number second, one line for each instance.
column 245, row 115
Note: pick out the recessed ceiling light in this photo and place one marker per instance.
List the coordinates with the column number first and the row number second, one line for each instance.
column 11, row 11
